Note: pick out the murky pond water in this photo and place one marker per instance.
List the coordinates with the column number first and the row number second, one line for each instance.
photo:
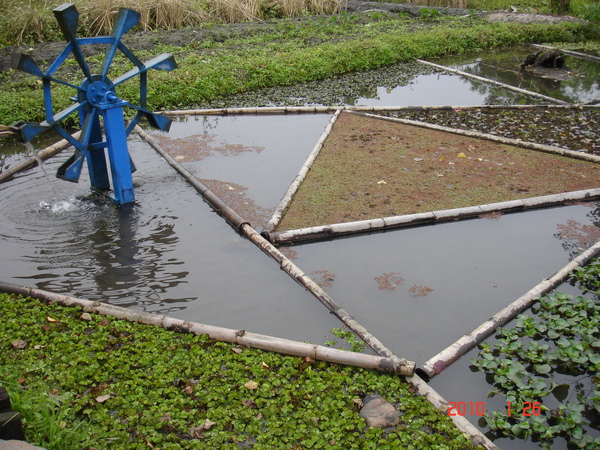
column 579, row 84
column 420, row 289
column 170, row 253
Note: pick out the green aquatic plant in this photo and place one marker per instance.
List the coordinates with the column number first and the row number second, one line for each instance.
column 528, row 363
column 136, row 386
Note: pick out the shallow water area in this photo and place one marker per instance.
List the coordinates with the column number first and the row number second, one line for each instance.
column 169, row 254
column 580, row 83
column 420, row 289
column 249, row 161
column 440, row 89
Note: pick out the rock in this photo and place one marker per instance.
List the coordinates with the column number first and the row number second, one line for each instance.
column 378, row 412
column 17, row 445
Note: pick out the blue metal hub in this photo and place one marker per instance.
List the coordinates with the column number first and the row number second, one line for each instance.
column 96, row 97
column 100, row 94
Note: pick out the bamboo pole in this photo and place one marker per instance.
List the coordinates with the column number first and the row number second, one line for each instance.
column 252, row 110
column 365, row 226
column 259, row 341
column 213, row 199
column 330, row 109
column 287, row 198
column 461, row 422
column 496, row 83
column 32, row 161
column 446, row 357
column 569, row 52
column 490, row 137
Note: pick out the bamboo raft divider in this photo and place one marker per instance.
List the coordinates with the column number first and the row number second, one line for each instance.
column 288, row 196
column 258, row 110
column 390, row 364
column 284, row 263
column 410, row 220
column 435, row 365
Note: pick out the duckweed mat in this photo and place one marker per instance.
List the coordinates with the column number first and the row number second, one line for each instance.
column 371, row 168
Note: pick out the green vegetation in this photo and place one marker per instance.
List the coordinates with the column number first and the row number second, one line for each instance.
column 532, row 360
column 214, row 65
column 110, row 383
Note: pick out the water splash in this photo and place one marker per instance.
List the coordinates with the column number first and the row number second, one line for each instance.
column 60, row 206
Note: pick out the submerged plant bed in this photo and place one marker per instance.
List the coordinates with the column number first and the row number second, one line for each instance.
column 371, row 168
column 87, row 381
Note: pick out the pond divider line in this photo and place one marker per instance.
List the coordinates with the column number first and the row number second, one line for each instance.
column 331, row 231
column 259, row 110
column 569, row 52
column 32, row 161
column 240, row 337
column 252, row 110
column 490, row 137
column 285, row 263
column 496, row 83
column 287, row 198
column 446, row 357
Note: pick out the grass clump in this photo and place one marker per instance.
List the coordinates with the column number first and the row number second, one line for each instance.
column 107, row 383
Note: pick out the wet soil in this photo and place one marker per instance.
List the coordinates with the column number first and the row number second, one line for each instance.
column 399, row 169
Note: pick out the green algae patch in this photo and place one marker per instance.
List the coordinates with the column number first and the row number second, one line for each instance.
column 370, row 168
column 87, row 381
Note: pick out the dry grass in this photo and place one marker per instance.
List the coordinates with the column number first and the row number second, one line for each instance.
column 232, row 11
column 27, row 23
column 98, row 15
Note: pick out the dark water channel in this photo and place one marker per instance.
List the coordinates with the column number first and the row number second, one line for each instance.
column 416, row 289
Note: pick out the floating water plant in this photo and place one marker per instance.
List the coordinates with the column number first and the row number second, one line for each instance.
column 547, row 368
column 109, row 383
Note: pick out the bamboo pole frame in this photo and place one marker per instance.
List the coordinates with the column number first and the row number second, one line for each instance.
column 332, row 109
column 434, row 366
column 410, row 220
column 32, row 161
column 284, row 263
column 508, row 87
column 287, row 198
column 390, row 364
